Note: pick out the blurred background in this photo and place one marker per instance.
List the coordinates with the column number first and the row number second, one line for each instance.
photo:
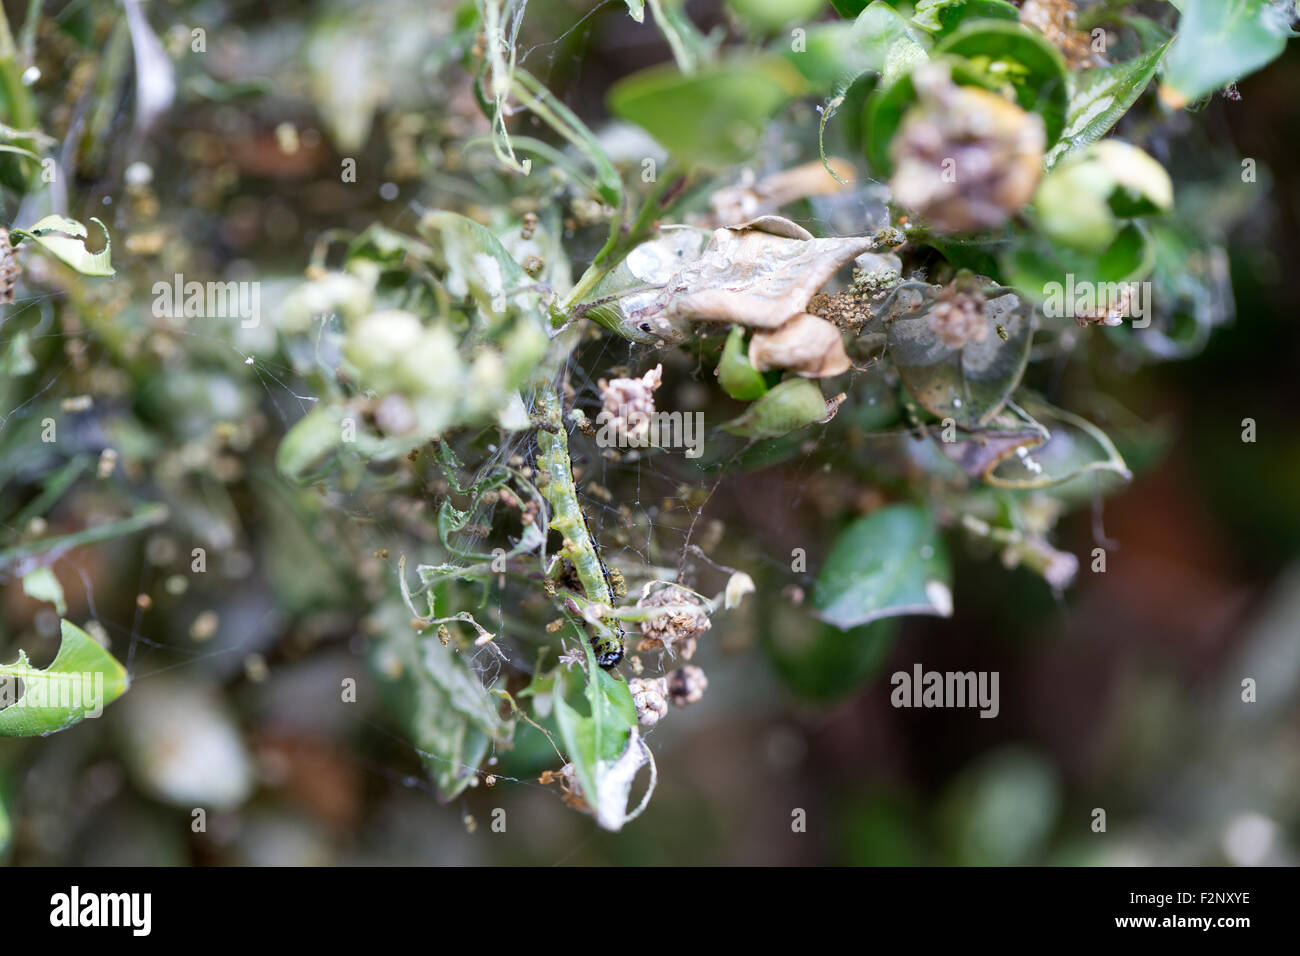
column 1125, row 694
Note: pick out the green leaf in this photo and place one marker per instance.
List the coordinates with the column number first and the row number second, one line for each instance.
column 42, row 585
column 452, row 720
column 1001, row 811
column 637, row 9
column 944, row 16
column 791, row 404
column 821, row 663
column 1040, row 269
column 82, row 680
column 63, row 238
column 1220, row 41
column 968, row 384
column 849, row 8
column 738, row 378
column 1081, row 203
column 604, row 747
column 771, row 15
column 1076, row 452
column 1100, row 97
column 887, row 43
column 308, row 447
column 885, row 564
column 1009, row 52
column 714, row 117
column 475, row 259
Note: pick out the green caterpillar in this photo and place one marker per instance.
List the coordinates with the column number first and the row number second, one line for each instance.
column 568, row 519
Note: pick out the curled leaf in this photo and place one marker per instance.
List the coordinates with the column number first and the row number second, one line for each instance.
column 64, row 239
column 805, row 344
column 736, row 375
column 792, row 404
column 759, row 274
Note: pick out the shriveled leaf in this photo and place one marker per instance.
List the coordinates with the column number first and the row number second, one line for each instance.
column 81, row 681
column 758, row 275
column 476, row 261
column 979, row 451
column 791, row 404
column 64, row 239
column 885, row 564
column 1100, row 97
column 971, row 382
column 1219, row 41
column 806, row 344
column 627, row 300
column 565, row 122
column 713, row 117
column 450, row 717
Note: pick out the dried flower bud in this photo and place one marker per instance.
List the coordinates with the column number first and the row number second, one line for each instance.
column 682, row 617
column 687, row 685
column 965, row 159
column 649, row 694
column 630, row 404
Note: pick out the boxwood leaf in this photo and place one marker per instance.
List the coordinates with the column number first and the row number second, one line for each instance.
column 791, row 404
column 64, row 239
column 1075, row 448
column 1219, row 41
column 944, row 16
column 1101, row 96
column 885, row 564
column 603, row 745
column 738, row 378
column 82, row 679
column 713, row 117
column 450, row 717
column 1013, row 53
column 971, row 383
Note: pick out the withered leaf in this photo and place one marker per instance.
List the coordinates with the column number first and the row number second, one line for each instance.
column 806, row 344
column 758, row 274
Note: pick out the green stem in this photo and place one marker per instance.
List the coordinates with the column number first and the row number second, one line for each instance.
column 146, row 517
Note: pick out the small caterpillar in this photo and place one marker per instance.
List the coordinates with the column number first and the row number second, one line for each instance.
column 9, row 268
column 568, row 519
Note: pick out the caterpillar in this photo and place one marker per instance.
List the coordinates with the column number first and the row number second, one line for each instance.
column 9, row 268
column 567, row 518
